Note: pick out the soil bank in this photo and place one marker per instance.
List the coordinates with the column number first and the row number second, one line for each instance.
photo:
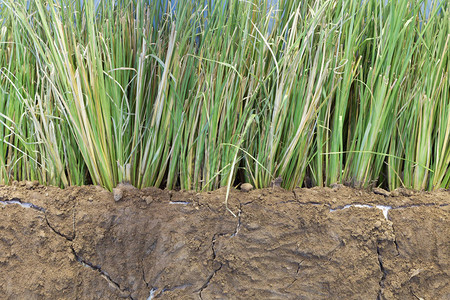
column 319, row 243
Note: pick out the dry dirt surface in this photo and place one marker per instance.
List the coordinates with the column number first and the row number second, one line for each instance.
column 319, row 243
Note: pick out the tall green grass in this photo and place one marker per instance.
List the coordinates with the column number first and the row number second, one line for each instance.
column 201, row 95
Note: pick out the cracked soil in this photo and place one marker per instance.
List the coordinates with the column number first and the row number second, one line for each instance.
column 319, row 243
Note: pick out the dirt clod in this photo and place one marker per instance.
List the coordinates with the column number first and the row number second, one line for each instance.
column 402, row 192
column 120, row 189
column 31, row 184
column 380, row 191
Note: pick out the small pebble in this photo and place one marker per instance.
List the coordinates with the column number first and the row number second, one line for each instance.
column 120, row 188
column 118, row 194
column 246, row 187
column 148, row 199
column 253, row 226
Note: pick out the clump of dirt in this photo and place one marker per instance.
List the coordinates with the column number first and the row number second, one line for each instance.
column 319, row 243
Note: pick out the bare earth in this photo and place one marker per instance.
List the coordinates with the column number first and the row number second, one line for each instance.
column 320, row 243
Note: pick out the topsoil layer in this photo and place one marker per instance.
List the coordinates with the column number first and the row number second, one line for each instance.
column 320, row 243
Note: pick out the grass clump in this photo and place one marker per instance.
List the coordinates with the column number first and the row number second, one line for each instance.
column 201, row 95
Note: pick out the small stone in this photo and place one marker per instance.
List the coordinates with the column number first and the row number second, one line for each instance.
column 118, row 194
column 246, row 187
column 148, row 199
column 120, row 188
column 377, row 224
column 253, row 226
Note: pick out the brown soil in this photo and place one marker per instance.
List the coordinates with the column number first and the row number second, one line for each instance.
column 318, row 243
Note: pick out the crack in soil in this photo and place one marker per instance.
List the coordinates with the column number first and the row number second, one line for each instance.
column 166, row 289
column 296, row 274
column 23, row 204
column 247, row 203
column 213, row 243
column 69, row 238
column 415, row 296
column 395, row 240
column 147, row 284
column 152, row 293
column 208, row 280
column 102, row 273
column 420, row 205
column 143, row 274
column 180, row 202
column 217, row 269
column 43, row 210
column 385, row 208
column 383, row 270
column 289, row 201
column 308, row 203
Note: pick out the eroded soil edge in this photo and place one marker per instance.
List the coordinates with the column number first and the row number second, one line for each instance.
column 320, row 243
